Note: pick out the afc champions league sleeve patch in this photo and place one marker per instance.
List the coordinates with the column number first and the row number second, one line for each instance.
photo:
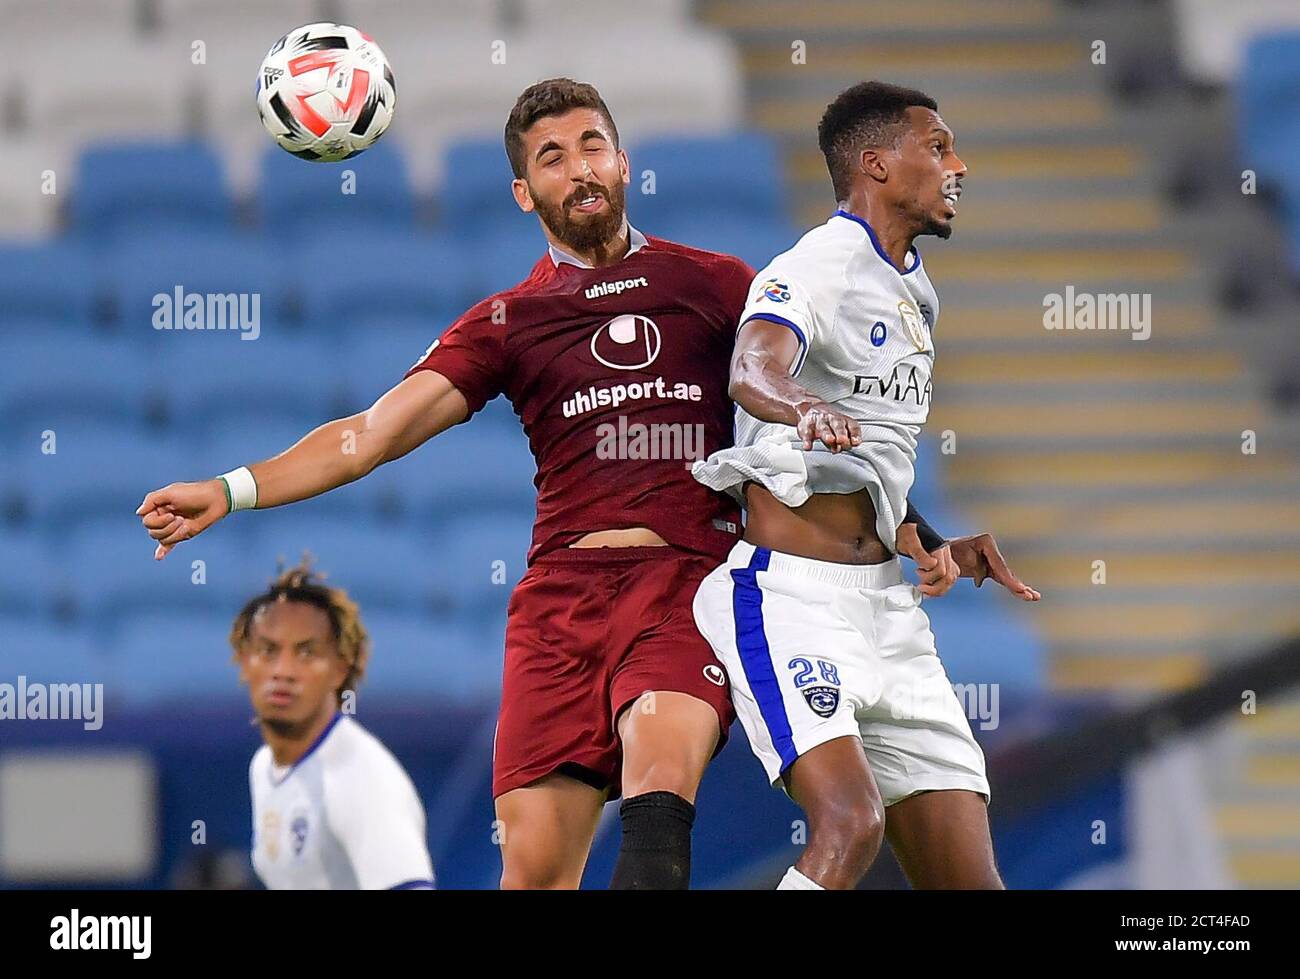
column 913, row 325
column 774, row 290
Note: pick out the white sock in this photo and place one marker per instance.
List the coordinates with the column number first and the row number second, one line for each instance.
column 795, row 881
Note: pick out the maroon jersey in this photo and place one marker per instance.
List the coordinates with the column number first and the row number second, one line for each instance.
column 619, row 375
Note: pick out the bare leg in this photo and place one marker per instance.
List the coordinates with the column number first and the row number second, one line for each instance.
column 546, row 832
column 834, row 786
column 941, row 840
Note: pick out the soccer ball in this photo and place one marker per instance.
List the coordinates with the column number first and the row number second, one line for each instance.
column 325, row 92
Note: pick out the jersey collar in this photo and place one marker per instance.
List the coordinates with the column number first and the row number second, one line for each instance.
column 635, row 240
column 320, row 739
column 875, row 243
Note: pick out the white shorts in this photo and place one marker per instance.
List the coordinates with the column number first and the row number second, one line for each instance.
column 818, row 651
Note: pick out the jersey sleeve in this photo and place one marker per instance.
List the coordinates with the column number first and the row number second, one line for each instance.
column 777, row 296
column 470, row 353
column 377, row 817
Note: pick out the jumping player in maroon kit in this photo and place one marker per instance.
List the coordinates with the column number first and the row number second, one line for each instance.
column 609, row 688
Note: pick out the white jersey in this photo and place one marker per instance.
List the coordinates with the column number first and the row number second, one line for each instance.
column 866, row 346
column 344, row 817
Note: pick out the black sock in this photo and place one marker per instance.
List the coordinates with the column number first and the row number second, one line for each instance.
column 656, row 851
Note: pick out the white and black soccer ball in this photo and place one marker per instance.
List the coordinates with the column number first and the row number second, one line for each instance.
column 326, row 92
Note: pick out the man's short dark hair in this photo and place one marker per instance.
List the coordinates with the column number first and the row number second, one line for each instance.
column 552, row 97
column 868, row 114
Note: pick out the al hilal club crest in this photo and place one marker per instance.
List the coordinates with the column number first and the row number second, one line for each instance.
column 913, row 325
column 822, row 700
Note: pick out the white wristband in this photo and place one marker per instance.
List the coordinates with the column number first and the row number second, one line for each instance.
column 241, row 489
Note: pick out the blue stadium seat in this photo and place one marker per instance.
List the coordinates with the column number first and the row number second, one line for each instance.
column 1268, row 105
column 383, row 274
column 139, row 187
column 301, row 200
column 480, row 558
column 283, row 375
column 476, row 186
column 111, row 564
column 165, row 655
column 736, row 175
column 103, row 469
column 467, row 467
column 378, row 350
column 48, row 653
column 44, row 376
column 505, row 252
column 378, row 564
column 423, row 656
column 146, row 267
column 754, row 238
column 30, row 578
column 50, row 281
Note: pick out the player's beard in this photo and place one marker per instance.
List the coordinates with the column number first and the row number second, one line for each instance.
column 591, row 232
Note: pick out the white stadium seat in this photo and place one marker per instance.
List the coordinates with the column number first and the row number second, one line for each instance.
column 1212, row 34
column 44, row 23
column 25, row 212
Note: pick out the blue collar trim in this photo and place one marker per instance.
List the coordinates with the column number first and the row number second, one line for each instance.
column 875, row 243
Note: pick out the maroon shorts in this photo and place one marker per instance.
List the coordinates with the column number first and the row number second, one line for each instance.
column 590, row 630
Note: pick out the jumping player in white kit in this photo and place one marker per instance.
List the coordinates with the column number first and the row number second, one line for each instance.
column 332, row 808
column 833, row 665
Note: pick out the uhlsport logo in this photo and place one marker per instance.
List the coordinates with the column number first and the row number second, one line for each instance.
column 715, row 675
column 627, row 342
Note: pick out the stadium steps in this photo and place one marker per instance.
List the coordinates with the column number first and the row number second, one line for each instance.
column 1079, row 445
column 1258, row 815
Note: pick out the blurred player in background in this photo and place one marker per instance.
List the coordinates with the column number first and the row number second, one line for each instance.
column 833, row 665
column 608, row 687
column 332, row 808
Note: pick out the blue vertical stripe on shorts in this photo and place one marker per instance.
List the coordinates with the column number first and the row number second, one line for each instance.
column 756, row 657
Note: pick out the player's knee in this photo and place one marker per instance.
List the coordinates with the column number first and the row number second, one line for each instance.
column 850, row 829
column 680, row 776
column 537, row 877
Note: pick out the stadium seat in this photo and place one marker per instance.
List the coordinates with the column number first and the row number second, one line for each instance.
column 113, row 572
column 378, row 564
column 47, row 653
column 475, row 190
column 31, row 581
column 166, row 656
column 139, row 187
column 146, row 270
column 1269, row 113
column 470, row 466
column 304, row 201
column 755, row 239
column 1212, row 35
column 27, row 211
column 45, row 374
column 479, row 560
column 736, row 177
column 278, row 374
column 419, row 656
column 385, row 274
column 103, row 468
column 53, row 281
column 506, row 252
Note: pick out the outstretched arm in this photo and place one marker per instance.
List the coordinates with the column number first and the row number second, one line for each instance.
column 334, row 454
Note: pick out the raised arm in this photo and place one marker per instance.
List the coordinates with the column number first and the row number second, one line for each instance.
column 336, row 453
